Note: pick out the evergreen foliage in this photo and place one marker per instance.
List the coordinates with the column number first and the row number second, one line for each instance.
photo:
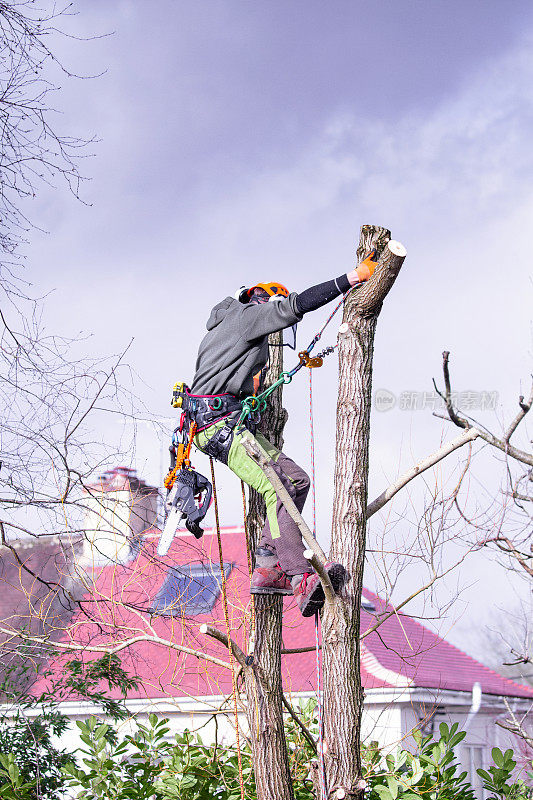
column 31, row 764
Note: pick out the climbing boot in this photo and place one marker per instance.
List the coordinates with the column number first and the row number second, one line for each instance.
column 308, row 590
column 270, row 580
column 268, row 577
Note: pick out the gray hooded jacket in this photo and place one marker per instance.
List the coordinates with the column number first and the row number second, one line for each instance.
column 236, row 345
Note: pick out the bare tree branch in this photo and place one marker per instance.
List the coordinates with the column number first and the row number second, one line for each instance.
column 516, row 725
column 468, row 436
column 116, row 648
column 462, row 422
column 524, row 408
column 300, row 723
column 214, row 633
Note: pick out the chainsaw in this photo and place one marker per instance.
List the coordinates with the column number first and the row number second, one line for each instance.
column 188, row 493
column 189, row 499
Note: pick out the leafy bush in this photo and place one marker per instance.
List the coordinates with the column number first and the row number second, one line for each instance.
column 12, row 784
column 497, row 779
column 147, row 765
column 31, row 765
column 117, row 770
column 429, row 772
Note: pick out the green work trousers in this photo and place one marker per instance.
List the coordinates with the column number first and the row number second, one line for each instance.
column 280, row 533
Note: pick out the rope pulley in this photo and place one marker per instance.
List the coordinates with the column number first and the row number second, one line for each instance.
column 307, row 361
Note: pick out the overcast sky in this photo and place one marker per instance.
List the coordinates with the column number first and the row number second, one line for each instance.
column 243, row 142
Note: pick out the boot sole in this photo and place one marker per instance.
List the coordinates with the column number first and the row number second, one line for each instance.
column 338, row 576
column 268, row 590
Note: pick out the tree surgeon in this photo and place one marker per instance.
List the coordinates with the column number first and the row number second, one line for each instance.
column 234, row 350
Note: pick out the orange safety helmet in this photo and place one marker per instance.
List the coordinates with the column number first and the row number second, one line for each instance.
column 273, row 288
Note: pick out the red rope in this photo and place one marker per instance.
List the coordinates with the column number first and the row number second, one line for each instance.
column 322, row 771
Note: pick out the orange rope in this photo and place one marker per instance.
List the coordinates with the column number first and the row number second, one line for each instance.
column 251, row 645
column 228, row 631
column 192, row 432
column 182, row 457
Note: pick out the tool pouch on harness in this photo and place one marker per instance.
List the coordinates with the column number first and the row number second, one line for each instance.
column 218, row 446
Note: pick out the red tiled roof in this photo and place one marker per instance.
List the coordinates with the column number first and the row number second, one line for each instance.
column 401, row 653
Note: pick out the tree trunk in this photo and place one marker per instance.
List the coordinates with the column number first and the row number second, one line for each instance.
column 343, row 693
column 263, row 678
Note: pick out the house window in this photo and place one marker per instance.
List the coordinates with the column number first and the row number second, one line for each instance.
column 189, row 589
column 472, row 761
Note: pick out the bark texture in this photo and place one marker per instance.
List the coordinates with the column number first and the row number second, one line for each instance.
column 263, row 678
column 343, row 693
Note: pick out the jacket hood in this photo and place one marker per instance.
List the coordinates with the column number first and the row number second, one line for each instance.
column 219, row 312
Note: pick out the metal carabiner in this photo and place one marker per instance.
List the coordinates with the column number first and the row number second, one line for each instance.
column 307, row 361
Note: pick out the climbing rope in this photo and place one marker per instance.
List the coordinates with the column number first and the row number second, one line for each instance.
column 228, row 630
column 251, row 639
column 321, row 767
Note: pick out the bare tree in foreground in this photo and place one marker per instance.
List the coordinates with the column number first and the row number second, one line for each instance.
column 52, row 397
column 342, row 684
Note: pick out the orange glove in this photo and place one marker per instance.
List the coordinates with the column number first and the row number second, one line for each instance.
column 365, row 268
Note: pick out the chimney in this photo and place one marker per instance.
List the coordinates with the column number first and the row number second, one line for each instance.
column 120, row 508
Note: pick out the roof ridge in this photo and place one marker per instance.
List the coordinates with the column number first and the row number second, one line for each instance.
column 389, row 606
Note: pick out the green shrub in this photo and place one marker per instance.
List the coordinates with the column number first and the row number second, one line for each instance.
column 498, row 778
column 27, row 739
column 146, row 765
column 430, row 772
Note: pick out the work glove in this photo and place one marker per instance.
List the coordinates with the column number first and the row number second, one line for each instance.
column 365, row 269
